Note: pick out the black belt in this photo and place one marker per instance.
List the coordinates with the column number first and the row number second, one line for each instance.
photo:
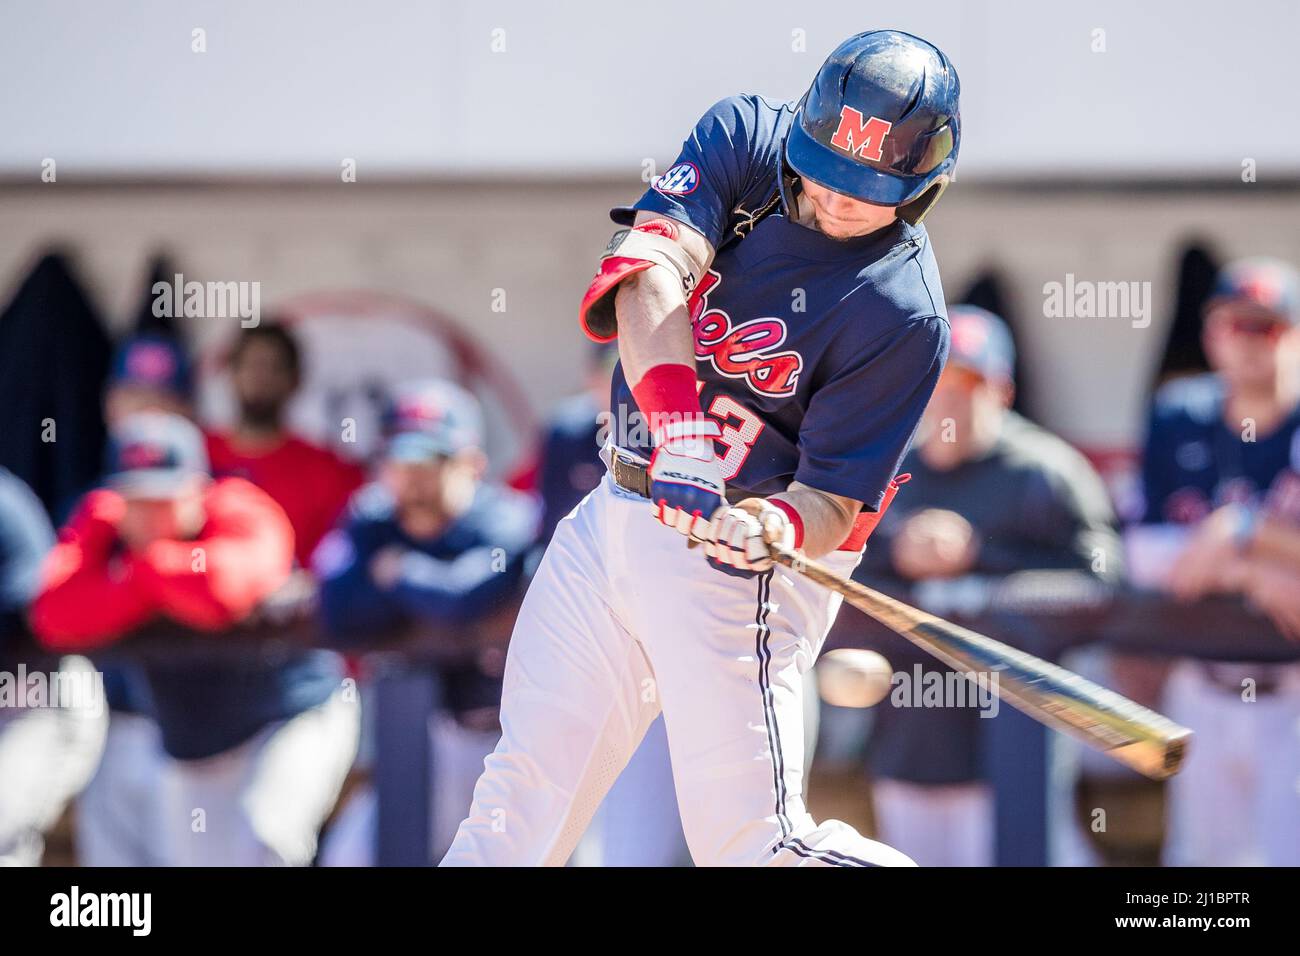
column 634, row 476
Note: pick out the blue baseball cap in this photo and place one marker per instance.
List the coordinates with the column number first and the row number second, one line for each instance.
column 152, row 361
column 981, row 342
column 430, row 419
column 155, row 455
column 1268, row 284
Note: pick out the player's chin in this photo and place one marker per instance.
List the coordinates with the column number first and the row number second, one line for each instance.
column 841, row 229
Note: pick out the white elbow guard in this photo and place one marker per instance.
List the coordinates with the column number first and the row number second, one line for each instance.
column 631, row 251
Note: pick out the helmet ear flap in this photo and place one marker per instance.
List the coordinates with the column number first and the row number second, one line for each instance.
column 913, row 212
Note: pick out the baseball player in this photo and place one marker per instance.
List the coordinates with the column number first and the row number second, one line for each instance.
column 311, row 483
column 1223, row 455
column 431, row 545
column 259, row 746
column 48, row 748
column 118, row 814
column 997, row 494
column 781, row 326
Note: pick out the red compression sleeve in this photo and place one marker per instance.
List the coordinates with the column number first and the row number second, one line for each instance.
column 867, row 520
column 667, row 394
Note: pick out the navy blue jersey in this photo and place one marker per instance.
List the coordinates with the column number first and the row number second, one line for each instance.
column 452, row 579
column 817, row 356
column 1195, row 461
column 206, row 707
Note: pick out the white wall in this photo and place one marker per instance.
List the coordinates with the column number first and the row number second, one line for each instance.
column 111, row 86
column 452, row 246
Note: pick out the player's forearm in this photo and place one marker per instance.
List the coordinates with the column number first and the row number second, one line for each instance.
column 654, row 327
column 826, row 519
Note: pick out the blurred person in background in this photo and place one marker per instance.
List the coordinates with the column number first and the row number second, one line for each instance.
column 150, row 373
column 1256, row 551
column 310, row 483
column 430, row 547
column 49, row 748
column 1222, row 459
column 118, row 813
column 990, row 494
column 259, row 749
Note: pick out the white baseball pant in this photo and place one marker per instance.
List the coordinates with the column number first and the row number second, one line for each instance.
column 638, row 823
column 620, row 622
column 937, row 825
column 47, row 755
column 1237, row 800
column 119, row 813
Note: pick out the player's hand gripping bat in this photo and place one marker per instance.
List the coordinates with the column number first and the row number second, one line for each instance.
column 1130, row 733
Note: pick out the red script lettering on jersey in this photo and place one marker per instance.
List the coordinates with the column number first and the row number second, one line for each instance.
column 744, row 350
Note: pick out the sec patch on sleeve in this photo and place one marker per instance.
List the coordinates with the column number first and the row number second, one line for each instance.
column 681, row 180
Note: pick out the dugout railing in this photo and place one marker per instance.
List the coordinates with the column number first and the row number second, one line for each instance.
column 1045, row 613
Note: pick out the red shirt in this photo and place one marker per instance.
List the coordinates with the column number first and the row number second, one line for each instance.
column 92, row 592
column 311, row 484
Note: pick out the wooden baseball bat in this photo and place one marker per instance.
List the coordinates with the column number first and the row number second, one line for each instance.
column 1130, row 733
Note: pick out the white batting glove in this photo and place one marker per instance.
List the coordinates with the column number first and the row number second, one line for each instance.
column 740, row 535
column 686, row 483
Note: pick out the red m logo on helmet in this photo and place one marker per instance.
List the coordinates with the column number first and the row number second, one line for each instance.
column 864, row 137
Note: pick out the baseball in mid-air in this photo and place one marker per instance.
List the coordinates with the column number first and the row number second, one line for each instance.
column 853, row 677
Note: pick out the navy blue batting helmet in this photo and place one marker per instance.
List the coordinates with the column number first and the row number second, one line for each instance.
column 880, row 122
